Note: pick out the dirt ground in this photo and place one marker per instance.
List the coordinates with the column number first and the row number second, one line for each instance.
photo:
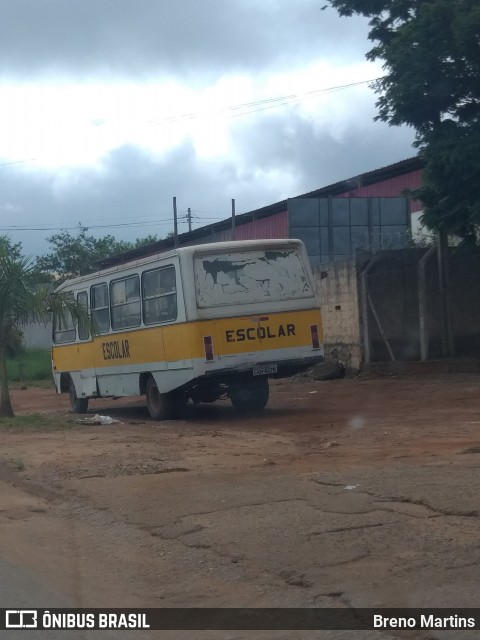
column 351, row 493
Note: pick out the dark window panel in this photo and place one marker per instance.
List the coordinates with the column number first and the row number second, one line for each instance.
column 340, row 212
column 375, row 208
column 323, row 204
column 393, row 211
column 324, row 241
column 310, row 236
column 341, row 240
column 359, row 211
column 394, row 237
column 360, row 238
column 303, row 212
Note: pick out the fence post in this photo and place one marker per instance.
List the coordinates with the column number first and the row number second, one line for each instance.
column 364, row 299
column 422, row 303
column 443, row 281
column 365, row 327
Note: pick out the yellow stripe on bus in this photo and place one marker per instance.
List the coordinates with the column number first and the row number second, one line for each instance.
column 184, row 341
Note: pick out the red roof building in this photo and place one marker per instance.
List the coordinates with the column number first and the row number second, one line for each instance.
column 272, row 221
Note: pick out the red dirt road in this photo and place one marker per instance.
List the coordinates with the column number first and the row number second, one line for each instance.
column 360, row 492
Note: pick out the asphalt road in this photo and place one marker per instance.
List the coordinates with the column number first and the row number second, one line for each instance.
column 351, row 494
column 22, row 589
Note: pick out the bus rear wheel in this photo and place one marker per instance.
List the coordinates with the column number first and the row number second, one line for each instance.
column 251, row 395
column 161, row 406
column 79, row 405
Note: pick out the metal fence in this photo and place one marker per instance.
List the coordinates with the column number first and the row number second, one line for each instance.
column 409, row 313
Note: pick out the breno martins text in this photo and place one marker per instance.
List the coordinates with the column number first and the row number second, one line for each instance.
column 423, row 621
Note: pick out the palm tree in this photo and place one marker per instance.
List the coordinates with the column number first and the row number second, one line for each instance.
column 23, row 299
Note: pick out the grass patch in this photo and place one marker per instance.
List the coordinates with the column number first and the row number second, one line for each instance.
column 13, row 461
column 35, row 422
column 37, row 384
column 31, row 365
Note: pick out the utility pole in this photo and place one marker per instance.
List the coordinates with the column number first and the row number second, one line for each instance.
column 175, row 223
column 189, row 218
column 233, row 219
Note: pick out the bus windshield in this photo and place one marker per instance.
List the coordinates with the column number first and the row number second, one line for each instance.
column 245, row 277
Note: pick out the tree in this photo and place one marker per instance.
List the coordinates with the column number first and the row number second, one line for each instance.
column 13, row 249
column 23, row 300
column 451, row 187
column 75, row 255
column 431, row 54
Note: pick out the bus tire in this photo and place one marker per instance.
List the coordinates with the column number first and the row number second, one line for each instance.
column 79, row 405
column 179, row 402
column 251, row 395
column 160, row 405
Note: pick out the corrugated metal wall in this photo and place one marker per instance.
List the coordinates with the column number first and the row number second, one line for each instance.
column 277, row 225
column 392, row 187
column 271, row 227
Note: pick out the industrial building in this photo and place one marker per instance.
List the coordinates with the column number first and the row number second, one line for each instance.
column 370, row 211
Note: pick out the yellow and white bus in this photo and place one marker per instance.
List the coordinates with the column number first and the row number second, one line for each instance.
column 199, row 322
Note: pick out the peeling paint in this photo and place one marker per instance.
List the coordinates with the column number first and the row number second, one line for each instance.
column 248, row 277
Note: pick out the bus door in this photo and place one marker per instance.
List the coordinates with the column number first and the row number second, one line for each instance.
column 163, row 307
column 85, row 354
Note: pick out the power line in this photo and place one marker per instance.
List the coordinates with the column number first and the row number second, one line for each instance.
column 262, row 105
column 247, row 107
column 76, row 228
column 6, row 164
column 99, row 226
column 150, row 221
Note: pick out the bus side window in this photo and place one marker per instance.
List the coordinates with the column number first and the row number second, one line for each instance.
column 63, row 328
column 125, row 302
column 100, row 307
column 83, row 331
column 159, row 294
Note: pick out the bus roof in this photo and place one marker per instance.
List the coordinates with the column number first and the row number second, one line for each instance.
column 213, row 247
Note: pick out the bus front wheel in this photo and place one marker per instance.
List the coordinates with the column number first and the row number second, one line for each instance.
column 251, row 395
column 160, row 405
column 79, row 405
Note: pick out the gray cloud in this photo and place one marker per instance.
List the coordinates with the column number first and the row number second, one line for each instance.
column 316, row 157
column 133, row 186
column 196, row 41
column 182, row 37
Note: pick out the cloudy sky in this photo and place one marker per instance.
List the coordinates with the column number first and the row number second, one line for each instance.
column 109, row 108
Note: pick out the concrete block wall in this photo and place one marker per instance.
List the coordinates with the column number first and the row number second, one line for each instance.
column 37, row 335
column 337, row 287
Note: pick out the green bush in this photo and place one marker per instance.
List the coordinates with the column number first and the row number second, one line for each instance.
column 31, row 364
column 15, row 343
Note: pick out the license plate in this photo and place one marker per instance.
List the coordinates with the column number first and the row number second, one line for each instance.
column 264, row 369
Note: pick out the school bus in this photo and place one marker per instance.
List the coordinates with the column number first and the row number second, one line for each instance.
column 198, row 322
